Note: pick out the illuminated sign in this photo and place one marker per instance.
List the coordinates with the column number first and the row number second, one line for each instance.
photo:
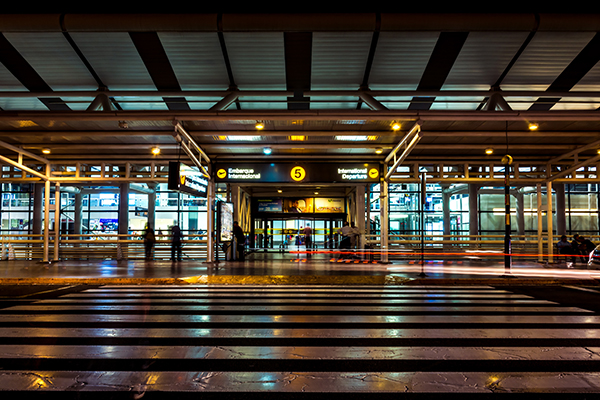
column 297, row 205
column 300, row 172
column 225, row 221
column 184, row 178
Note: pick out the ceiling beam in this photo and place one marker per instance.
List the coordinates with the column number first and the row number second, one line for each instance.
column 312, row 93
column 440, row 63
column 268, row 133
column 314, row 115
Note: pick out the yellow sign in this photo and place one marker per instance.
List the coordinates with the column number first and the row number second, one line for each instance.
column 221, row 173
column 373, row 173
column 182, row 179
column 298, row 174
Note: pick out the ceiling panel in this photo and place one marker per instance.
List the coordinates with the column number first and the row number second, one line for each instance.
column 257, row 59
column 8, row 81
column 53, row 59
column 400, row 59
column 591, row 81
column 115, row 59
column 482, row 59
column 546, row 56
column 197, row 60
column 339, row 59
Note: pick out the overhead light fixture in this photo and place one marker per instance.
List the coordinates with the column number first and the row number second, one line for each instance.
column 155, row 151
column 357, row 138
column 489, row 151
column 267, row 150
column 396, row 126
column 316, row 192
column 279, row 191
column 46, row 150
column 533, row 126
column 297, row 138
column 378, row 150
column 259, row 125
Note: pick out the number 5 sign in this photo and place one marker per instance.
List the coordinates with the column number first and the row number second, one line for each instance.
column 298, row 173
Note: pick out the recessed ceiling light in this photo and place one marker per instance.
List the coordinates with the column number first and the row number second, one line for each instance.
column 267, row 150
column 155, row 151
column 378, row 150
column 396, row 126
column 533, row 126
column 259, row 125
column 46, row 150
column 489, row 151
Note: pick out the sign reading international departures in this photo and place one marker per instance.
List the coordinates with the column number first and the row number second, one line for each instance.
column 302, row 172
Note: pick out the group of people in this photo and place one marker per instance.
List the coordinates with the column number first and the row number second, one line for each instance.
column 578, row 248
column 350, row 234
column 150, row 241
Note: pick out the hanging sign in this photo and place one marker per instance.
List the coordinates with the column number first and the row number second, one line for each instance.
column 298, row 173
column 186, row 179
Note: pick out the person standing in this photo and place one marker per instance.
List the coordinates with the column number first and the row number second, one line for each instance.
column 240, row 239
column 307, row 237
column 564, row 247
column 149, row 240
column 575, row 249
column 176, row 237
column 345, row 231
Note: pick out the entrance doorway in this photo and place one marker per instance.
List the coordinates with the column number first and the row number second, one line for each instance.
column 283, row 234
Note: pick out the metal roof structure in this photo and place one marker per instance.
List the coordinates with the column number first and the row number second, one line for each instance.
column 102, row 88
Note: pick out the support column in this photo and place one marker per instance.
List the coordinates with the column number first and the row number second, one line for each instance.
column 473, row 212
column 561, row 213
column 38, row 208
column 235, row 199
column 520, row 213
column 368, row 205
column 383, row 207
column 56, row 221
column 549, row 222
column 446, row 213
column 210, row 222
column 540, row 223
column 123, row 214
column 47, row 217
column 152, row 210
column 78, row 216
column 360, row 217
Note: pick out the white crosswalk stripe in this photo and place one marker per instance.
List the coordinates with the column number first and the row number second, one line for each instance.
column 261, row 340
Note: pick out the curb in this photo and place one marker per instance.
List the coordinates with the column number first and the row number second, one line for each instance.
column 350, row 280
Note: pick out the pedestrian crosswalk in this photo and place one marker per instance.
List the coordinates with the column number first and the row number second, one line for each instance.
column 263, row 341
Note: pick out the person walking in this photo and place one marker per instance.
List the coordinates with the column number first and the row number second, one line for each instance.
column 240, row 239
column 176, row 238
column 149, row 241
column 307, row 231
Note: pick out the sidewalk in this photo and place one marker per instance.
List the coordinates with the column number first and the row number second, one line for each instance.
column 288, row 270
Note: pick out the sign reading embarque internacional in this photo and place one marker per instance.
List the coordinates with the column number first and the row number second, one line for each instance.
column 299, row 172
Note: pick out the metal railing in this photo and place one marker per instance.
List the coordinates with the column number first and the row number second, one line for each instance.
column 401, row 247
column 99, row 246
